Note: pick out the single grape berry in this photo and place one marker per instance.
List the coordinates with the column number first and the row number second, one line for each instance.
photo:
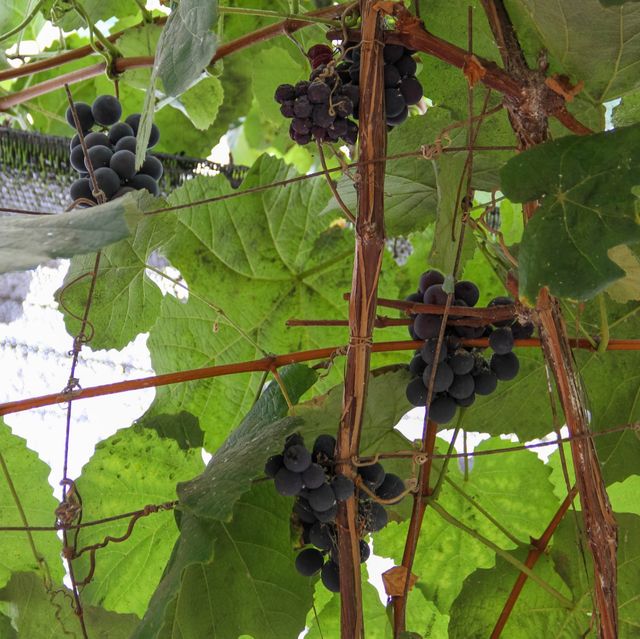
column 396, row 120
column 322, row 498
column 124, row 164
column 462, row 386
column 83, row 111
column 75, row 141
column 406, row 66
column 442, row 409
column 98, row 156
column 427, row 326
column 443, row 377
column 522, row 331
column 391, row 488
column 81, row 188
column 342, row 487
column 127, row 143
column 485, row 383
column 502, row 301
column 461, row 362
column 505, row 367
column 284, row 92
column 330, row 576
column 324, row 447
column 297, row 458
column 96, row 139
column 429, row 351
column 320, row 536
column 309, row 561
column 273, row 465
column 287, row 482
column 416, row 392
column 391, row 76
column 394, row 102
column 77, row 159
column 133, row 121
column 152, row 166
column 411, row 90
column 372, row 475
column 429, row 278
column 106, row 110
column 501, row 340
column 313, row 477
column 318, row 92
column 143, row 181
column 392, row 52
column 376, row 518
column 108, row 181
column 417, row 366
column 365, row 551
column 468, row 292
column 286, row 108
column 435, row 295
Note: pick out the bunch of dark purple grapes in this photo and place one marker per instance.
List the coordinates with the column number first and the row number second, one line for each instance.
column 310, row 476
column 462, row 372
column 401, row 87
column 112, row 151
column 319, row 107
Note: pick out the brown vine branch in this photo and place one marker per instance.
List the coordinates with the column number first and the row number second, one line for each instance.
column 535, row 553
column 261, row 365
column 369, row 250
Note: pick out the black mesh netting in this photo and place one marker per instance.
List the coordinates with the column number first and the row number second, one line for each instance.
column 35, row 173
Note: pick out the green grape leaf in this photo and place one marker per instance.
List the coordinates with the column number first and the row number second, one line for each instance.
column 587, row 208
column 626, row 288
column 125, row 301
column 475, row 611
column 118, row 478
column 624, row 495
column 268, row 251
column 607, row 65
column 29, row 240
column 241, row 458
column 446, row 554
column 13, row 15
column 183, row 427
column 98, row 10
column 252, row 567
column 628, row 111
column 202, row 102
column 186, row 45
column 198, row 534
column 29, row 476
column 34, row 612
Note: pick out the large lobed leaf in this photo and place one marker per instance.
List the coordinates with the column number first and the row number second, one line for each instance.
column 587, row 208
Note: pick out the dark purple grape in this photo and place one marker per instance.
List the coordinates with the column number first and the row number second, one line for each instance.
column 301, row 125
column 327, row 516
column 81, row 188
column 351, row 136
column 416, row 392
column 295, row 439
column 352, row 92
column 154, row 136
column 392, row 52
column 435, row 295
column 467, row 401
column 324, row 447
column 118, row 131
column 284, row 92
column 124, row 164
column 376, row 517
column 429, row 278
column 273, row 465
column 301, row 88
column 318, row 92
column 309, row 561
column 397, row 120
column 287, row 482
column 321, row 116
column 319, row 133
column 330, row 576
column 417, row 366
column 427, row 326
column 342, row 487
column 501, row 301
column 412, row 332
column 286, row 108
column 485, row 383
column 152, row 166
column 143, row 181
column 320, row 536
column 108, row 181
column 443, row 378
column 411, row 90
column 127, row 143
column 83, row 111
column 77, row 159
column 522, row 331
column 462, row 386
column 343, row 72
column 467, row 292
column 339, row 127
column 406, row 66
column 391, row 76
column 501, row 340
column 442, row 409
column 394, row 103
column 428, row 351
column 75, row 141
column 391, row 488
column 505, row 366
column 343, row 107
column 313, row 477
column 372, row 475
column 302, row 108
column 304, row 511
column 96, row 139
column 106, row 110
column 297, row 458
column 461, row 362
